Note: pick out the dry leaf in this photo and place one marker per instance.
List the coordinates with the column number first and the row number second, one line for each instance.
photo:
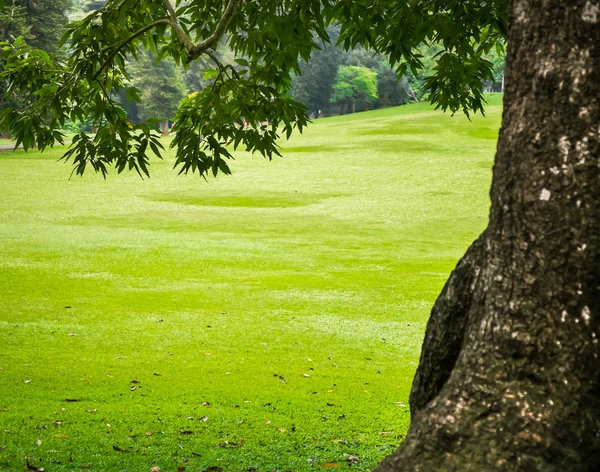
column 92, row 411
column 305, row 375
column 330, row 465
column 27, row 381
column 148, row 433
column 206, row 404
column 353, row 459
column 155, row 469
column 60, row 436
column 72, row 334
column 267, row 422
column 283, row 430
column 57, row 422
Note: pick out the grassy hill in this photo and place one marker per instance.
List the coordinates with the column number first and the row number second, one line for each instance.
column 270, row 319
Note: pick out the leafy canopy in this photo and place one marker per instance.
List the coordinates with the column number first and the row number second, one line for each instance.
column 268, row 40
column 355, row 84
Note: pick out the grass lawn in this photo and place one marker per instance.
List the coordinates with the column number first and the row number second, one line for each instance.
column 271, row 319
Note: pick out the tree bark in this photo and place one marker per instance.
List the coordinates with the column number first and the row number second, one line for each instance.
column 509, row 377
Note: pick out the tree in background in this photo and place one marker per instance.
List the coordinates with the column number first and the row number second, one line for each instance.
column 508, row 376
column 161, row 87
column 313, row 85
column 47, row 19
column 355, row 84
column 13, row 22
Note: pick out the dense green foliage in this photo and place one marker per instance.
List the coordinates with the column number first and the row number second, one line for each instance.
column 355, row 84
column 322, row 263
column 269, row 40
column 313, row 86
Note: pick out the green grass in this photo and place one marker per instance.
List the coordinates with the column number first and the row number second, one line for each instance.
column 325, row 262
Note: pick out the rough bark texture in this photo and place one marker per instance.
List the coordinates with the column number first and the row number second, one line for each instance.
column 509, row 378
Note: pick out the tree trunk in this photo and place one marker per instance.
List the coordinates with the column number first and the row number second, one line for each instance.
column 164, row 127
column 509, row 377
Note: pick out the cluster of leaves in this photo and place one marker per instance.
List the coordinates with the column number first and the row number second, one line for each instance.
column 355, row 84
column 247, row 102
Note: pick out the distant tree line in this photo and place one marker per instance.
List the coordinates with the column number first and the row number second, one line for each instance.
column 336, row 81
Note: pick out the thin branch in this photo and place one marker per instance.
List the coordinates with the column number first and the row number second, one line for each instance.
column 127, row 40
column 222, row 66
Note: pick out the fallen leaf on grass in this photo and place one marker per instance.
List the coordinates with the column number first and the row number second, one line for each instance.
column 205, row 404
column 60, row 436
column 133, row 387
column 283, row 430
column 92, row 411
column 305, row 375
column 72, row 334
column 33, row 467
column 27, row 381
column 267, row 422
column 229, row 444
column 330, row 465
column 57, row 422
column 353, row 459
column 155, row 469
column 148, row 433
column 385, row 433
column 118, row 449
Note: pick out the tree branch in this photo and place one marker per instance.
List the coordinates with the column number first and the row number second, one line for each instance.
column 183, row 37
column 212, row 41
